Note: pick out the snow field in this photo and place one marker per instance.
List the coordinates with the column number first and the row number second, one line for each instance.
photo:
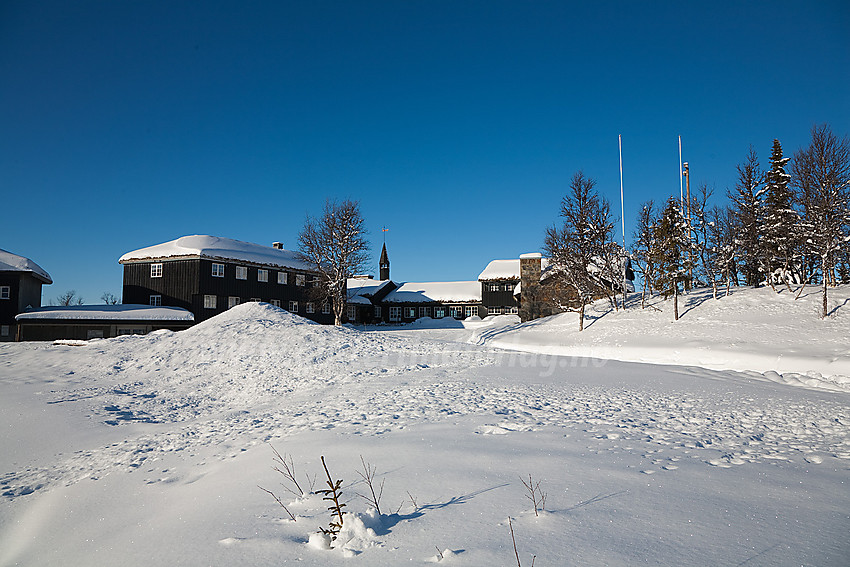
column 153, row 447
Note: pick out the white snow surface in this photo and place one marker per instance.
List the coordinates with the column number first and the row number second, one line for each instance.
column 218, row 248
column 426, row 292
column 13, row 263
column 149, row 450
column 361, row 289
column 122, row 312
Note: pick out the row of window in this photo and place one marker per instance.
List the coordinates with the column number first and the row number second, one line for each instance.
column 437, row 312
column 211, row 302
column 500, row 287
column 502, row 310
column 241, row 274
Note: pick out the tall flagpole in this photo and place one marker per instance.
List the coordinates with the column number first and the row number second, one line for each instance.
column 681, row 186
column 622, row 217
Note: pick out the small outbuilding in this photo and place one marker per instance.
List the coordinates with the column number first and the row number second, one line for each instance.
column 84, row 322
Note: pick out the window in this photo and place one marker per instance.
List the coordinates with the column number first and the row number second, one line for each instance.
column 281, row 277
column 156, row 270
column 410, row 313
column 508, row 287
column 262, row 275
column 156, row 300
column 326, row 308
column 352, row 313
column 439, row 312
column 4, row 330
column 424, row 311
column 300, row 279
column 378, row 311
column 471, row 310
column 495, row 311
column 218, row 270
column 255, row 299
column 456, row 311
column 232, row 301
column 395, row 313
column 293, row 306
column 94, row 334
column 275, row 302
column 311, row 308
column 514, row 310
column 5, row 292
column 494, row 287
column 210, row 301
column 241, row 273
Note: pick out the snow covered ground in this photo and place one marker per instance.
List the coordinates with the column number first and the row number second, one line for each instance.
column 723, row 438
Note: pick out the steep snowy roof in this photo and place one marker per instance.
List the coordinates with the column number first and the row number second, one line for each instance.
column 507, row 269
column 217, row 248
column 360, row 289
column 122, row 312
column 426, row 292
column 13, row 263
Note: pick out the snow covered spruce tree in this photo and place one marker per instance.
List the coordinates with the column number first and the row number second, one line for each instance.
column 746, row 204
column 581, row 241
column 721, row 237
column 821, row 172
column 672, row 252
column 336, row 247
column 781, row 222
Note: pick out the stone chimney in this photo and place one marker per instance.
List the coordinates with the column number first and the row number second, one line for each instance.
column 278, row 245
column 530, row 268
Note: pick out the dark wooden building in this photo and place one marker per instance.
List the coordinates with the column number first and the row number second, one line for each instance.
column 414, row 300
column 365, row 298
column 20, row 289
column 207, row 275
column 84, row 322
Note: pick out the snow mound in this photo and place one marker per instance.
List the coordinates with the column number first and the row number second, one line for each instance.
column 751, row 330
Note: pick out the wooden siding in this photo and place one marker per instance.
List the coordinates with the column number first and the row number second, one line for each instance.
column 498, row 298
column 24, row 291
column 184, row 283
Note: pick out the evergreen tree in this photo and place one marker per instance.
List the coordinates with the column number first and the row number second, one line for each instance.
column 747, row 207
column 644, row 253
column 672, row 253
column 781, row 221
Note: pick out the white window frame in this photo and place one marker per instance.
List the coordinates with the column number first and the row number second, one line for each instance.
column 300, row 279
column 156, row 270
column 310, row 308
column 281, row 278
column 514, row 310
column 471, row 310
column 351, row 312
column 456, row 311
column 210, row 301
column 241, row 272
column 410, row 313
column 439, row 312
column 262, row 275
column 378, row 311
column 495, row 287
column 5, row 292
column 155, row 300
column 275, row 302
column 293, row 306
column 232, row 301
column 326, row 308
column 255, row 299
column 217, row 270
column 5, row 330
column 424, row 312
column 395, row 314
column 494, row 310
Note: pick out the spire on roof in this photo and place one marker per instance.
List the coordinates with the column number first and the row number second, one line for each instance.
column 384, row 264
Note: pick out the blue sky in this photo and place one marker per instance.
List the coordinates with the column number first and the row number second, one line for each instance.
column 457, row 125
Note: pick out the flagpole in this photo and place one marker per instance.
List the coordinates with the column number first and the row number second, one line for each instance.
column 622, row 217
column 681, row 186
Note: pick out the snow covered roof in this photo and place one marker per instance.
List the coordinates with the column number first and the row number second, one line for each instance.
column 122, row 312
column 507, row 269
column 427, row 292
column 217, row 248
column 13, row 263
column 361, row 289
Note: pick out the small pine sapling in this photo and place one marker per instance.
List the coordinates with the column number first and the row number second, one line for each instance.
column 537, row 496
column 332, row 493
column 368, row 476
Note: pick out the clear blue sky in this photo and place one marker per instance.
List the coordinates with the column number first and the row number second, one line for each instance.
column 457, row 124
